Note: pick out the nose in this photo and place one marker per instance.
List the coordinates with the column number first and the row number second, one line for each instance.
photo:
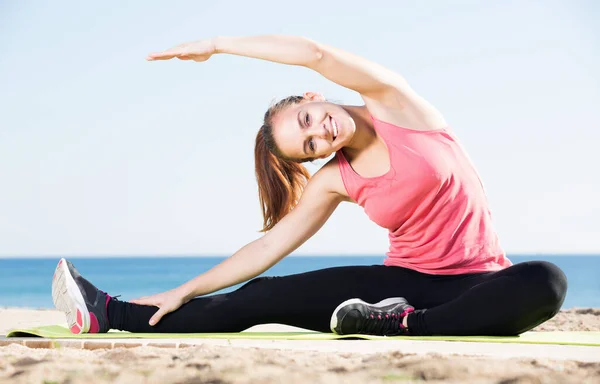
column 320, row 131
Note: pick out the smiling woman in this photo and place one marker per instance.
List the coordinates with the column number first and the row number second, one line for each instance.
column 397, row 158
column 310, row 127
column 295, row 130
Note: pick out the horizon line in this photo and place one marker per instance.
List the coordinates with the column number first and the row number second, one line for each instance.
column 508, row 254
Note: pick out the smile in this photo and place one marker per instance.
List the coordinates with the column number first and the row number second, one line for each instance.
column 334, row 128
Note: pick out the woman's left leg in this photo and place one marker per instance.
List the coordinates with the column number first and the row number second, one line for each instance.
column 507, row 302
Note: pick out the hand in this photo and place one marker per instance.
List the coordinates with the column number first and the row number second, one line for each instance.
column 198, row 51
column 166, row 302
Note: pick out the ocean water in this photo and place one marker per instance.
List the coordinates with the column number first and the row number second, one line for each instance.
column 27, row 282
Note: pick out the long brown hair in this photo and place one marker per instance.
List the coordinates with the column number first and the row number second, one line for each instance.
column 281, row 180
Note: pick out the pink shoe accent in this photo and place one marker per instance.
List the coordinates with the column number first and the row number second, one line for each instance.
column 403, row 315
column 59, row 263
column 108, row 297
column 94, row 326
column 78, row 326
column 79, row 319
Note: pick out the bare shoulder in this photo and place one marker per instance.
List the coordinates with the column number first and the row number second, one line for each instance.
column 402, row 106
column 329, row 180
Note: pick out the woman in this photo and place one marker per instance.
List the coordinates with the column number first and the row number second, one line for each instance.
column 397, row 158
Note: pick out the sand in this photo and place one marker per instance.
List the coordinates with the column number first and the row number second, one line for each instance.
column 209, row 363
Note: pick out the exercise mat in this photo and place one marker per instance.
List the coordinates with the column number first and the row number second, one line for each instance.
column 559, row 338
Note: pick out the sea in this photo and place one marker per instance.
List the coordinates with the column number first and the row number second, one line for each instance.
column 26, row 282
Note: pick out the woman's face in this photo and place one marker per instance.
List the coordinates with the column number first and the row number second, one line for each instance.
column 312, row 129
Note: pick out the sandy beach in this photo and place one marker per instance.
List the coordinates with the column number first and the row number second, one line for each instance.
column 312, row 363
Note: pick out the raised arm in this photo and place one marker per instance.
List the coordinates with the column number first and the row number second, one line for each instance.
column 341, row 67
column 385, row 92
column 316, row 205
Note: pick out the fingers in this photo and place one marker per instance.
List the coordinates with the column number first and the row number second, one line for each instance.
column 160, row 56
column 138, row 300
column 181, row 52
column 168, row 56
column 146, row 300
column 157, row 316
column 165, row 55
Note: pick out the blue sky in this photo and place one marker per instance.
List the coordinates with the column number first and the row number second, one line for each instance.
column 103, row 153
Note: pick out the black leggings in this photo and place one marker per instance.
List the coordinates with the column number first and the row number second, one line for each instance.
column 506, row 302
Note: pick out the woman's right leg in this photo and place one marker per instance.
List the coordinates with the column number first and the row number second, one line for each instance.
column 305, row 300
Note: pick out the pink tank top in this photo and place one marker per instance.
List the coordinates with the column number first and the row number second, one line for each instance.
column 432, row 202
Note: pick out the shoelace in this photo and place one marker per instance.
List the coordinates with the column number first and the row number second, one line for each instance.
column 112, row 297
column 386, row 323
column 383, row 324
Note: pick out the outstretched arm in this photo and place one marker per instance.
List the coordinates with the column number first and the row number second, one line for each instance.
column 314, row 208
column 341, row 67
column 385, row 92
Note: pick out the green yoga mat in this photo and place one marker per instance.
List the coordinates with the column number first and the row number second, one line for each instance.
column 561, row 338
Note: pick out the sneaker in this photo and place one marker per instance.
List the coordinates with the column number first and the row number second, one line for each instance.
column 84, row 305
column 384, row 318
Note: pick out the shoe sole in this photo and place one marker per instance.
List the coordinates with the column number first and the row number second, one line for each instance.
column 68, row 299
column 333, row 323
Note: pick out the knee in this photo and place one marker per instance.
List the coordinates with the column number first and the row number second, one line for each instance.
column 549, row 285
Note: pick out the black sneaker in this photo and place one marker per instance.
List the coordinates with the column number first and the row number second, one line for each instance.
column 84, row 305
column 355, row 316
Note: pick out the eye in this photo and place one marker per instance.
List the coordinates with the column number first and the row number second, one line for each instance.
column 311, row 146
column 307, row 119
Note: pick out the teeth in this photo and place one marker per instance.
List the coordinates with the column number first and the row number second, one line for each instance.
column 335, row 128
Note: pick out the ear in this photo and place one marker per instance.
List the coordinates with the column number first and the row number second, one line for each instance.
column 314, row 96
